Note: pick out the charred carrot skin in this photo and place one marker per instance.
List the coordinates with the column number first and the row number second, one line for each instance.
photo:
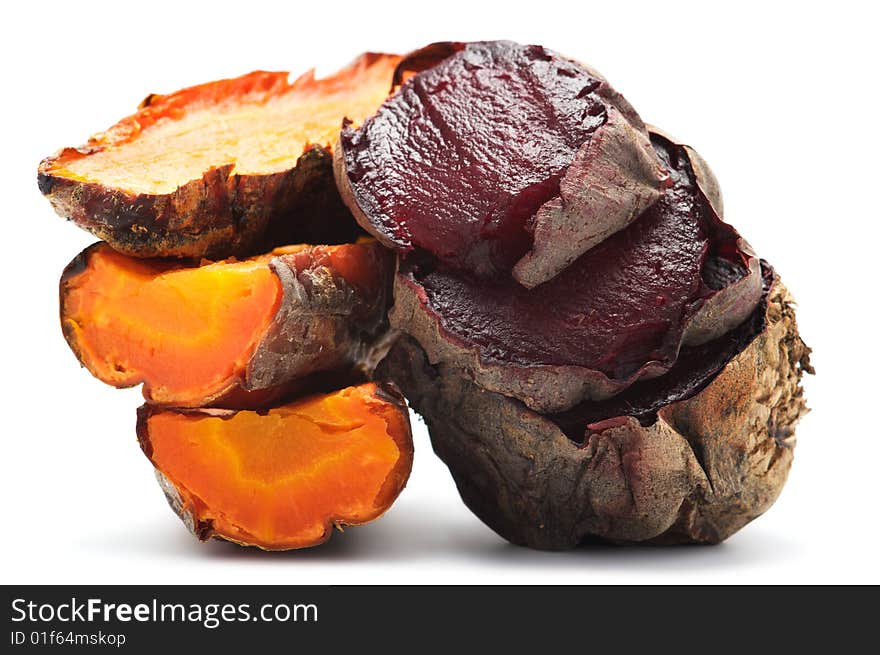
column 240, row 334
column 283, row 478
column 216, row 216
column 220, row 212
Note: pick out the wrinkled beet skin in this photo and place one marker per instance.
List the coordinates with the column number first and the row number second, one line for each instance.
column 705, row 467
column 620, row 313
column 459, row 161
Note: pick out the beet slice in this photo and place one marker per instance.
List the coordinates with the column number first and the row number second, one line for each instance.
column 696, row 367
column 620, row 313
column 498, row 157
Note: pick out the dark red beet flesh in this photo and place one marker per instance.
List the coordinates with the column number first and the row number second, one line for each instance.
column 622, row 304
column 617, row 307
column 677, row 276
column 694, row 369
column 461, row 158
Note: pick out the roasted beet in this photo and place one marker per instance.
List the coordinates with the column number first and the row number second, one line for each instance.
column 710, row 454
column 635, row 380
column 620, row 313
column 498, row 157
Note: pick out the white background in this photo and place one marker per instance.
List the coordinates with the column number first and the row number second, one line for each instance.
column 780, row 98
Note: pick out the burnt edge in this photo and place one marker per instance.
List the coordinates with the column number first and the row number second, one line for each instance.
column 216, row 216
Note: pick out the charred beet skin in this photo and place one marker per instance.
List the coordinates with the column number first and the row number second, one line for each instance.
column 498, row 157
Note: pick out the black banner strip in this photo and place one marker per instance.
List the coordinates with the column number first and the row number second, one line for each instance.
column 414, row 619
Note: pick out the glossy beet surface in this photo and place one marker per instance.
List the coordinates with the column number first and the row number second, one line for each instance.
column 461, row 158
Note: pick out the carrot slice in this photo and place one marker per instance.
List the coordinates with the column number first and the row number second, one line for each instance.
column 281, row 479
column 196, row 334
column 211, row 170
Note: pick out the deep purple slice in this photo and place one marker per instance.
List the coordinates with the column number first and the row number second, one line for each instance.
column 694, row 370
column 497, row 156
column 620, row 313
column 617, row 307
